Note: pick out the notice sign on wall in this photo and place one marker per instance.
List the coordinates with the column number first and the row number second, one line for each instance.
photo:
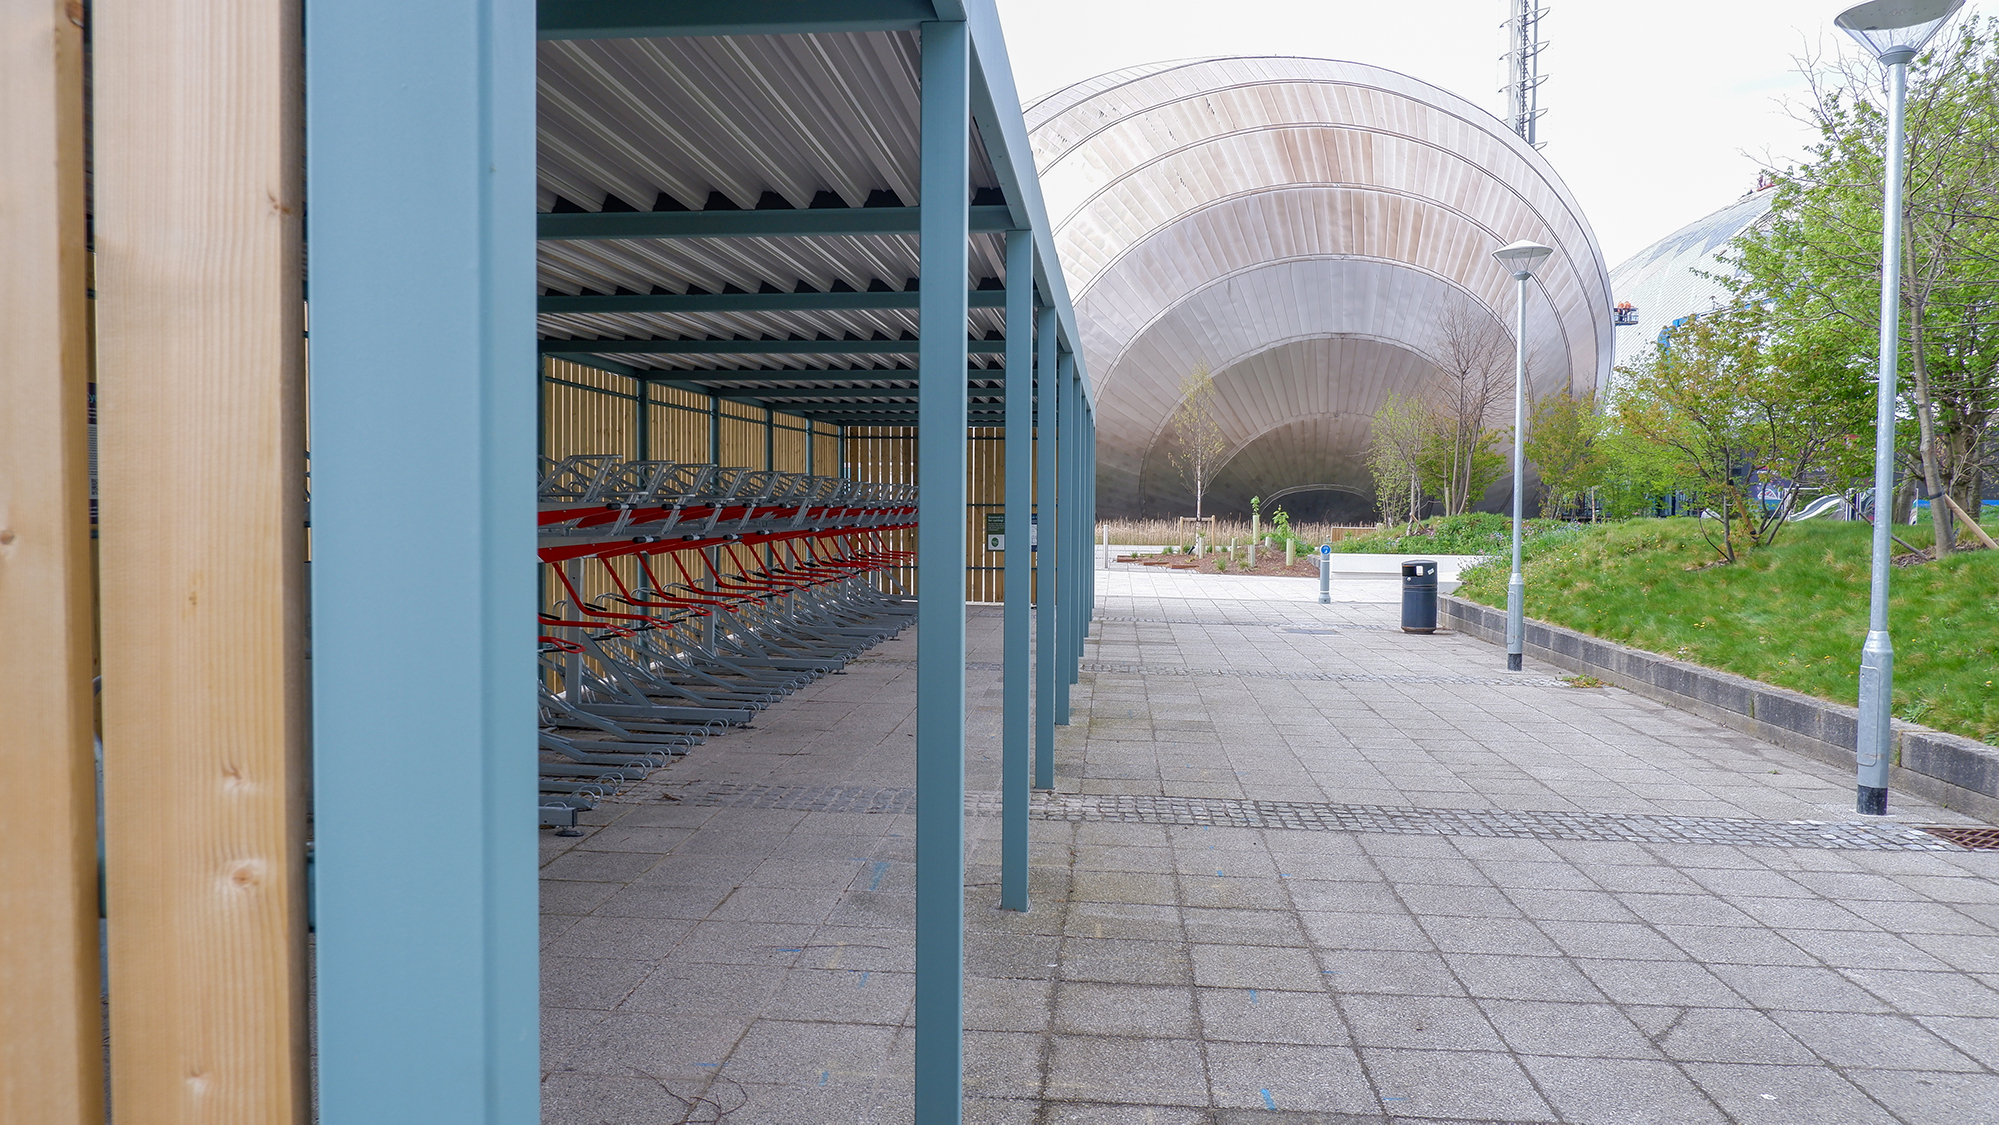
column 996, row 532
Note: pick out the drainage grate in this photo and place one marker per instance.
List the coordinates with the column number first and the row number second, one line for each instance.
column 1315, row 632
column 1977, row 839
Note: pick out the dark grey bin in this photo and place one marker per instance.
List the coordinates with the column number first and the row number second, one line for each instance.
column 1419, row 596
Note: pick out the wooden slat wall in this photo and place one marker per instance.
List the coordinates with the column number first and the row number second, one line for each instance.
column 825, row 449
column 585, row 410
column 51, row 1042
column 679, row 425
column 886, row 453
column 198, row 131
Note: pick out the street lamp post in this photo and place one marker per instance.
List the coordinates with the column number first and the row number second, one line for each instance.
column 1892, row 31
column 1520, row 258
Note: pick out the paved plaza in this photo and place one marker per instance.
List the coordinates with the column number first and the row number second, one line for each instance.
column 1300, row 869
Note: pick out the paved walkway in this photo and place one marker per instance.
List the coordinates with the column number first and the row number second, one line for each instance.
column 1299, row 865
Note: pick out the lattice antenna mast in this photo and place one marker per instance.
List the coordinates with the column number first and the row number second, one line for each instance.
column 1521, row 67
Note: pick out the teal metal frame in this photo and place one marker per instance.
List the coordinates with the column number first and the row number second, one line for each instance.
column 815, row 222
column 940, row 553
column 692, row 304
column 427, row 919
column 750, row 347
column 432, row 1017
column 1015, row 770
column 1069, row 429
column 1046, row 608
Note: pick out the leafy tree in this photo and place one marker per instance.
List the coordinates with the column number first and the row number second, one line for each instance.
column 1815, row 264
column 1398, row 441
column 1461, row 472
column 1565, row 442
column 1200, row 441
column 1731, row 409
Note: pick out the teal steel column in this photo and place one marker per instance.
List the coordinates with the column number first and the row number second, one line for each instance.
column 1014, row 766
column 1090, row 501
column 427, row 919
column 943, row 316
column 1044, row 558
column 1065, row 566
column 642, row 422
column 1079, row 553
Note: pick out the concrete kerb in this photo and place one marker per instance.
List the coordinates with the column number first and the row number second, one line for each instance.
column 1956, row 772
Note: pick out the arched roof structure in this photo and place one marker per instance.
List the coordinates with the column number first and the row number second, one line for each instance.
column 1674, row 278
column 1297, row 226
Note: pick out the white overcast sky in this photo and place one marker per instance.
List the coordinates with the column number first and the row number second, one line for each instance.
column 1657, row 114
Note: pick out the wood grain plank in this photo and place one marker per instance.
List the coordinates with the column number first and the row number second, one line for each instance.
column 201, row 474
column 51, row 1038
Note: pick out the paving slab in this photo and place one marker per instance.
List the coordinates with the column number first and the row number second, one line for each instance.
column 1298, row 868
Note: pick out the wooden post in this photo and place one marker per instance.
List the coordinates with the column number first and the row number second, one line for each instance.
column 201, row 473
column 51, row 1051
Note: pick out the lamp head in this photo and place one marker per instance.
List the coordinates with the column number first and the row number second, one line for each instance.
column 1894, row 30
column 1521, row 257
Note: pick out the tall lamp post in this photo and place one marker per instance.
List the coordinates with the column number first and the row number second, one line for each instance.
column 1520, row 258
column 1892, row 31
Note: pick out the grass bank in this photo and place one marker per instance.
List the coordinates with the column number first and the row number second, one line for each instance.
column 1793, row 615
column 1474, row 533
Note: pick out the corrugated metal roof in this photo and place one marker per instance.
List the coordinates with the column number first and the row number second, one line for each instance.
column 740, row 122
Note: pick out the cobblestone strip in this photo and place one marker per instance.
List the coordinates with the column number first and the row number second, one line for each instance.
column 1317, row 677
column 1636, row 828
column 1235, row 624
column 972, row 665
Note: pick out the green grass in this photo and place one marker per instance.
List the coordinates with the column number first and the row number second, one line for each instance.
column 1475, row 533
column 1792, row 615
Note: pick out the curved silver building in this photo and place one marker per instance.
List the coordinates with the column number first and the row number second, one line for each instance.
column 1673, row 278
column 1299, row 227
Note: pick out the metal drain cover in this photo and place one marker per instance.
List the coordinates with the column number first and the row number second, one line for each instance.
column 1314, row 631
column 1977, row 839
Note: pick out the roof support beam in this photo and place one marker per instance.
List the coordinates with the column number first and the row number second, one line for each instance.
column 677, row 377
column 640, row 19
column 629, row 346
column 691, row 304
column 432, row 1019
column 1003, row 131
column 1016, row 773
column 940, row 546
column 806, row 223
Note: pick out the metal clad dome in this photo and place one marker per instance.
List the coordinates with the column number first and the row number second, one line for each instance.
column 1297, row 225
column 1665, row 280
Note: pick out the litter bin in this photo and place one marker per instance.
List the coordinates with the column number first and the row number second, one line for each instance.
column 1419, row 596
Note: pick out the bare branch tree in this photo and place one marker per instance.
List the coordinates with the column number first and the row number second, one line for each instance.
column 1199, row 441
column 1475, row 362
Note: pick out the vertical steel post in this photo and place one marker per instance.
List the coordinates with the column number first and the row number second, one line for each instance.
column 1068, row 428
column 943, row 317
column 715, row 429
column 431, row 1019
column 1877, row 654
column 1046, row 410
column 642, row 423
column 1516, row 587
column 1014, row 765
